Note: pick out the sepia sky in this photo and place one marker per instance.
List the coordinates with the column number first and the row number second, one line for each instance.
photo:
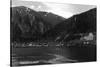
column 63, row 9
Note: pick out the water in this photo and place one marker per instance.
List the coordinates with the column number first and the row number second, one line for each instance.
column 52, row 55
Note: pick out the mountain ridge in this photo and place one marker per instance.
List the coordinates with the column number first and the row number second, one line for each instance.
column 29, row 24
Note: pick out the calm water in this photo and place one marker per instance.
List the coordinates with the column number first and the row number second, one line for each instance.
column 50, row 55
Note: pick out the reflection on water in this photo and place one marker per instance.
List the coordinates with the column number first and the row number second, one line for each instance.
column 52, row 55
column 55, row 60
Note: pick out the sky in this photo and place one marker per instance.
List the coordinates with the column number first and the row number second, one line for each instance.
column 62, row 9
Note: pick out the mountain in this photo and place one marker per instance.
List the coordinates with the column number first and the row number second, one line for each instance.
column 51, row 18
column 86, row 22
column 80, row 23
column 27, row 24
